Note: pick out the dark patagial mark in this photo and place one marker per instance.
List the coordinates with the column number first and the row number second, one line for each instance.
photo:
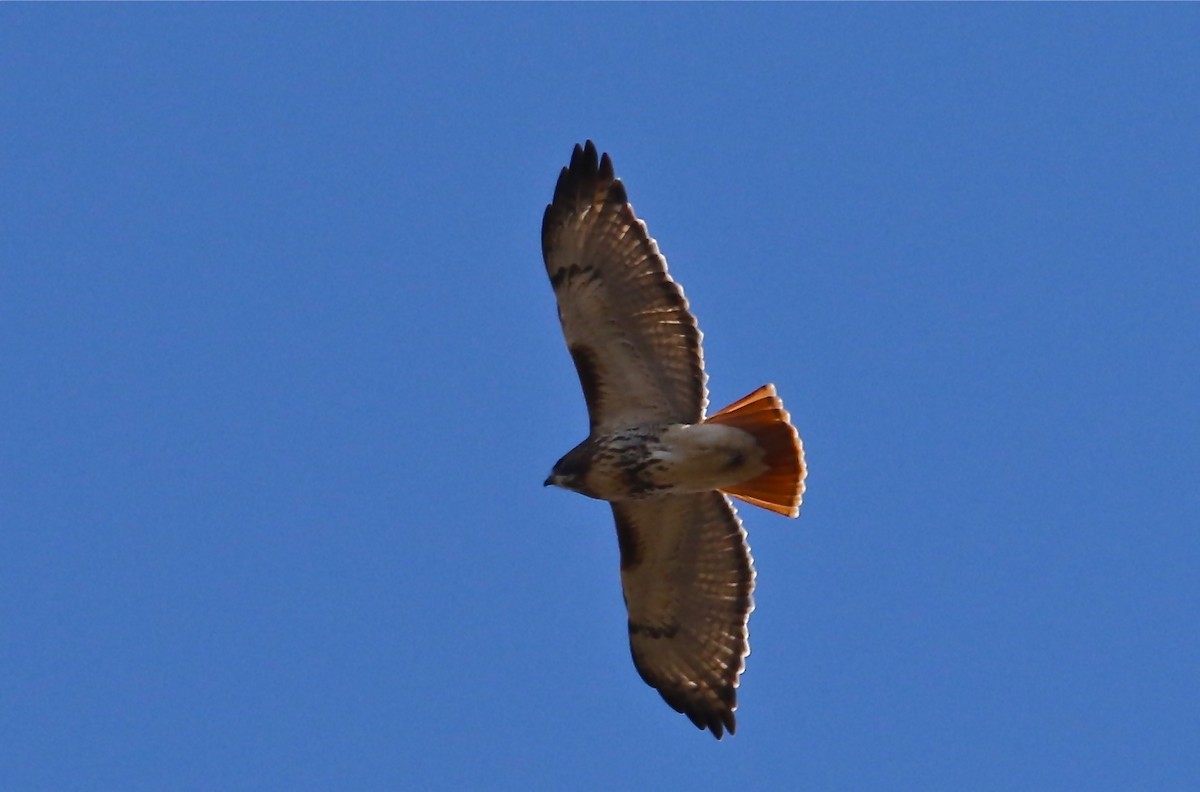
column 589, row 377
column 627, row 541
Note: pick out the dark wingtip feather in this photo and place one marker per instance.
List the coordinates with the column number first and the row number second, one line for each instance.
column 719, row 720
column 588, row 174
column 606, row 167
column 616, row 193
column 562, row 185
column 719, row 723
column 584, row 161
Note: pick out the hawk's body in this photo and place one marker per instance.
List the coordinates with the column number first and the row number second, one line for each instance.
column 665, row 468
column 664, row 459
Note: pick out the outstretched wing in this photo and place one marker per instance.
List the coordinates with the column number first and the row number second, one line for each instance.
column 688, row 581
column 634, row 342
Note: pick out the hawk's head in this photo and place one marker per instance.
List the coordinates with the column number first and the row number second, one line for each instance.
column 570, row 471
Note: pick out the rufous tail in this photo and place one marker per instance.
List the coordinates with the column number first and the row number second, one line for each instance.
column 761, row 414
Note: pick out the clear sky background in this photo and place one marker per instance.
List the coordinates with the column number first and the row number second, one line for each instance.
column 282, row 378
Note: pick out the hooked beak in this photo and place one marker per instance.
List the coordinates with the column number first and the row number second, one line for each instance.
column 549, row 481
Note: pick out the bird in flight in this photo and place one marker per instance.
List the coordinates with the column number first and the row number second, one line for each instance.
column 664, row 467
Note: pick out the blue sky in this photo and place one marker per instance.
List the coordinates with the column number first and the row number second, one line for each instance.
column 283, row 378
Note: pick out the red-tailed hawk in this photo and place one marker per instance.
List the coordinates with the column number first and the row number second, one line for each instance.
column 664, row 467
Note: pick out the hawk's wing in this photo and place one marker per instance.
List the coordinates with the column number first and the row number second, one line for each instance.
column 634, row 342
column 688, row 579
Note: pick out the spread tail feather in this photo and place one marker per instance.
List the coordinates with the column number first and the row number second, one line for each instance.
column 781, row 487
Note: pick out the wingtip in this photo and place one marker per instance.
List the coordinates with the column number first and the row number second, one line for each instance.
column 590, row 176
column 718, row 723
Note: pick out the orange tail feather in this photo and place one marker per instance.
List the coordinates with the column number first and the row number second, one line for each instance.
column 781, row 487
